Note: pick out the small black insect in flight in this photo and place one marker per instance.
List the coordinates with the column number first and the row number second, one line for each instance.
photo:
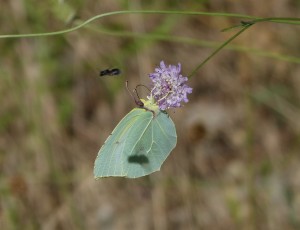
column 110, row 72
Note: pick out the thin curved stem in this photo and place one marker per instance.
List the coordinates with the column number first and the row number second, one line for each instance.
column 126, row 12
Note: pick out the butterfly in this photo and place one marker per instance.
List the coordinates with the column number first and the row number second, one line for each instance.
column 139, row 144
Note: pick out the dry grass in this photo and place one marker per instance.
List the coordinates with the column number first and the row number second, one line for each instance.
column 237, row 162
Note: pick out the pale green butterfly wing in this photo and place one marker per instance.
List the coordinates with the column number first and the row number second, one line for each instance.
column 137, row 146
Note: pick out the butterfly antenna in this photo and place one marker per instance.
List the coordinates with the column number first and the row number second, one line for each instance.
column 136, row 92
column 138, row 102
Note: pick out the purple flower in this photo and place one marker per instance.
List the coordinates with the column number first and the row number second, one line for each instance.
column 169, row 88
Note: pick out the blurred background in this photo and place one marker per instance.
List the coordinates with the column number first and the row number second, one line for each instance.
column 237, row 161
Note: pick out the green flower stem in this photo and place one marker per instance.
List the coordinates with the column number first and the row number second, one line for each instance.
column 246, row 25
column 219, row 48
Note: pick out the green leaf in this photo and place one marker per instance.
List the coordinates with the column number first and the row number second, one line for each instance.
column 138, row 145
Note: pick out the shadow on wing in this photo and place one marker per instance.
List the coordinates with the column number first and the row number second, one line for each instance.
column 138, row 159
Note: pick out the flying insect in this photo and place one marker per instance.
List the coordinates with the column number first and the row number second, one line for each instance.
column 110, row 72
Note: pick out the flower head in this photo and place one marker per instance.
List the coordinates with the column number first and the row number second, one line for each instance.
column 169, row 88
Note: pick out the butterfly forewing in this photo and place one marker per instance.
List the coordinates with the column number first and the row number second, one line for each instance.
column 138, row 145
